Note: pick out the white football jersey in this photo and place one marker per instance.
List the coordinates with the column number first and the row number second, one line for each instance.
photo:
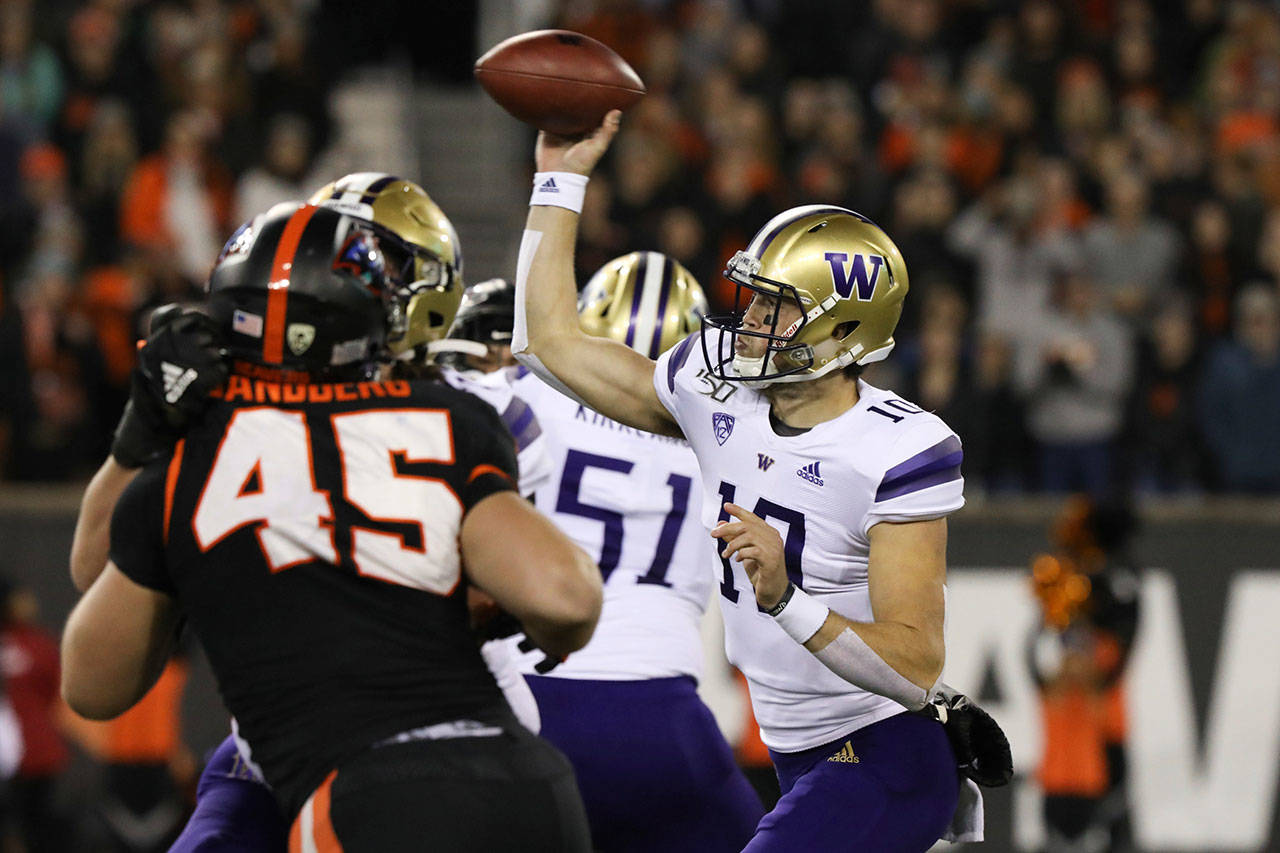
column 632, row 501
column 531, row 451
column 883, row 460
column 536, row 470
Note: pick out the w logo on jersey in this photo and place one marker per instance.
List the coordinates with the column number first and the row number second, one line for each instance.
column 722, row 423
column 764, row 462
column 810, row 472
column 864, row 280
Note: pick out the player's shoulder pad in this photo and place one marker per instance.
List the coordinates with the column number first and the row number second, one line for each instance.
column 678, row 366
column 926, row 453
column 501, row 392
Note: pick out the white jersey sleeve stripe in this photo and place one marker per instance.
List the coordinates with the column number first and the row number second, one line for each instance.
column 522, row 422
column 677, row 360
column 932, row 467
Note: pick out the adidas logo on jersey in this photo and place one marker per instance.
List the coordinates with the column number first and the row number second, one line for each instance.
column 176, row 381
column 846, row 755
column 549, row 186
column 810, row 473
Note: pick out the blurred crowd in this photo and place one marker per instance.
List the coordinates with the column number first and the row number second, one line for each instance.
column 1087, row 194
column 134, row 136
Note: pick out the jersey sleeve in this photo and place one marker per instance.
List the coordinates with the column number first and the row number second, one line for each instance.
column 486, row 452
column 498, row 390
column 137, row 531
column 922, row 479
column 536, row 466
column 531, row 449
column 671, row 377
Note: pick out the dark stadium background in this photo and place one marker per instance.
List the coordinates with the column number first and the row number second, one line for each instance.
column 1100, row 174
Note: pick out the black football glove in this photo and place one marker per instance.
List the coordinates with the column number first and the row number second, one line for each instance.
column 180, row 363
column 547, row 663
column 982, row 750
column 501, row 624
column 498, row 626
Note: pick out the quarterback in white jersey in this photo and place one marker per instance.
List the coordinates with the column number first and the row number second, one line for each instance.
column 829, row 499
column 882, row 460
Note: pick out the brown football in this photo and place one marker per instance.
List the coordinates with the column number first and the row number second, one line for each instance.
column 558, row 81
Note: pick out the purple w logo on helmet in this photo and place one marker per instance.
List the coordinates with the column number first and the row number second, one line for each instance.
column 844, row 282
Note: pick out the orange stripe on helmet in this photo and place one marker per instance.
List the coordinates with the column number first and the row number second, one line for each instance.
column 278, row 285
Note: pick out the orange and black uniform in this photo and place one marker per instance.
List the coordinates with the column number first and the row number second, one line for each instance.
column 325, row 585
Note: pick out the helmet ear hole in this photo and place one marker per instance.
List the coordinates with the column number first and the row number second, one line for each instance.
column 844, row 330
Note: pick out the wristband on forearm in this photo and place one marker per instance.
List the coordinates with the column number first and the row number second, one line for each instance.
column 849, row 657
column 559, row 189
column 799, row 614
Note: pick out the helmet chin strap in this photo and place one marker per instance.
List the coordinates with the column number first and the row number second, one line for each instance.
column 744, row 367
column 751, row 367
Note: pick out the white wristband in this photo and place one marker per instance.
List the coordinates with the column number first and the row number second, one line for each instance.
column 802, row 617
column 559, row 189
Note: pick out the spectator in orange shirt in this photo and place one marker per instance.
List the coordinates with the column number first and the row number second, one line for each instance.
column 177, row 202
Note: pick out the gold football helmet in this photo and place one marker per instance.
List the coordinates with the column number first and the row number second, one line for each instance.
column 844, row 274
column 645, row 300
column 421, row 249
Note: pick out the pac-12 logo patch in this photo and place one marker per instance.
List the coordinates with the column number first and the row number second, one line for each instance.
column 722, row 423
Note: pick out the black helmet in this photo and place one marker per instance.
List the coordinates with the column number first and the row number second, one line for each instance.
column 487, row 313
column 303, row 288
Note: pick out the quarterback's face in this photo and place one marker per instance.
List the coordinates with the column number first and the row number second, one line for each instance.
column 768, row 314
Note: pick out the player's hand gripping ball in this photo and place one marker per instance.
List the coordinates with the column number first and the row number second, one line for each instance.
column 558, row 81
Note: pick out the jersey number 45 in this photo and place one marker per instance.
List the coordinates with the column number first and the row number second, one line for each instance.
column 264, row 476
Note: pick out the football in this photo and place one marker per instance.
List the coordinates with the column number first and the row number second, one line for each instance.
column 558, row 81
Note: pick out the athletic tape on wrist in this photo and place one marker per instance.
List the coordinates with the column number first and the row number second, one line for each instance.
column 849, row 657
column 520, row 330
column 802, row 617
column 559, row 189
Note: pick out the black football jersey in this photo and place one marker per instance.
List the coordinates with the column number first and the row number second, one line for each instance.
column 309, row 534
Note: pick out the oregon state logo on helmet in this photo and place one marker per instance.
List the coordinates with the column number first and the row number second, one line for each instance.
column 842, row 272
column 645, row 300
column 424, row 258
column 303, row 288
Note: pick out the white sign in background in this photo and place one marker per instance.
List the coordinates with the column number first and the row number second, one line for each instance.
column 1189, row 794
